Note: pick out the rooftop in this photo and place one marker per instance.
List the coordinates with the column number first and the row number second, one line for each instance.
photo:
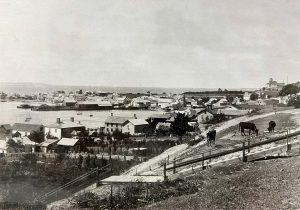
column 26, row 127
column 138, row 122
column 65, row 125
column 67, row 142
column 116, row 120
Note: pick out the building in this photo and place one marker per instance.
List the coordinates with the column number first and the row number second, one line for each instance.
column 135, row 126
column 114, row 123
column 69, row 144
column 63, row 129
column 3, row 146
column 205, row 116
column 25, row 129
column 48, row 145
column 273, row 85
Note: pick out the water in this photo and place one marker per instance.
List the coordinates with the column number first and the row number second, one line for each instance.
column 10, row 114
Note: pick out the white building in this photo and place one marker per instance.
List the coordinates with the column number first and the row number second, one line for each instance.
column 63, row 129
column 135, row 126
column 25, row 129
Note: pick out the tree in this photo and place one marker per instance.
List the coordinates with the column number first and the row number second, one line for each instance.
column 289, row 90
column 253, row 96
column 36, row 136
column 180, row 125
column 219, row 90
column 118, row 135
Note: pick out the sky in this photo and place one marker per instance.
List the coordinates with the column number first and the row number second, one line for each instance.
column 150, row 43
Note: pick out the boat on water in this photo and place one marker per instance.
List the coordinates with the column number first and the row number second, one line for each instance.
column 91, row 115
column 79, row 113
column 24, row 106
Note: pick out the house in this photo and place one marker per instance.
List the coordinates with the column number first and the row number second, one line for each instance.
column 230, row 113
column 156, row 118
column 69, row 144
column 63, row 129
column 5, row 131
column 140, row 103
column 48, row 145
column 246, row 96
column 274, row 85
column 222, row 102
column 3, row 146
column 114, row 123
column 135, row 126
column 25, row 129
column 206, row 115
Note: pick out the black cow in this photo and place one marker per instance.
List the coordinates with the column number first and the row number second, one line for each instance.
column 248, row 125
column 271, row 127
column 211, row 137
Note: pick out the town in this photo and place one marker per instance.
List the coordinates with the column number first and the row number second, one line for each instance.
column 121, row 142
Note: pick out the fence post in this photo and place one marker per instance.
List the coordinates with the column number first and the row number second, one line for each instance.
column 248, row 145
column 168, row 159
column 174, row 166
column 244, row 153
column 97, row 177
column 165, row 171
column 288, row 147
column 203, row 167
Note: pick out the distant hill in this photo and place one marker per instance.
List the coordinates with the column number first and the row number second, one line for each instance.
column 29, row 88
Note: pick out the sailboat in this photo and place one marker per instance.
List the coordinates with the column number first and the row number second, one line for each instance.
column 28, row 117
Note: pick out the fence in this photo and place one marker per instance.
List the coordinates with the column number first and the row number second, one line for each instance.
column 243, row 148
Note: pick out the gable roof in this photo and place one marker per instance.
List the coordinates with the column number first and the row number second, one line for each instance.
column 160, row 116
column 116, row 120
column 138, row 122
column 65, row 125
column 26, row 127
column 48, row 142
column 6, row 126
column 67, row 142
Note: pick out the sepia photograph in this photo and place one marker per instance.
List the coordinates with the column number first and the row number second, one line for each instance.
column 143, row 104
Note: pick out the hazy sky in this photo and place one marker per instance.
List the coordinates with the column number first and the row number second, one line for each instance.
column 165, row 43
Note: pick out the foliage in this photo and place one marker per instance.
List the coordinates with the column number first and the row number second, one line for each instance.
column 253, row 96
column 36, row 136
column 205, row 99
column 218, row 118
column 118, row 135
column 131, row 196
column 294, row 101
column 180, row 125
column 289, row 90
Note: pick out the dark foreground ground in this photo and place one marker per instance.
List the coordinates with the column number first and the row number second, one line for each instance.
column 266, row 184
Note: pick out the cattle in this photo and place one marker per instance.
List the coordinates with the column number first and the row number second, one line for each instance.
column 211, row 137
column 271, row 127
column 248, row 125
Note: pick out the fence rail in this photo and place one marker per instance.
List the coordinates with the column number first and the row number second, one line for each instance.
column 243, row 148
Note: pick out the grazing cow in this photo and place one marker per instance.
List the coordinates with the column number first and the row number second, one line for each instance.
column 247, row 125
column 211, row 137
column 271, row 127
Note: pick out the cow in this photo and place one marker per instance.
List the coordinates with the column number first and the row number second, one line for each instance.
column 248, row 125
column 271, row 127
column 211, row 137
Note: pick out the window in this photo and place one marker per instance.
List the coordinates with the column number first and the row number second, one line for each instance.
column 111, row 130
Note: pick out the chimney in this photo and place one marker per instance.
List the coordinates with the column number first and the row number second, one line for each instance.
column 134, row 115
column 72, row 119
column 111, row 114
column 58, row 120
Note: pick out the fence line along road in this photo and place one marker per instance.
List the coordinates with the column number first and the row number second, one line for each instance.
column 243, row 148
